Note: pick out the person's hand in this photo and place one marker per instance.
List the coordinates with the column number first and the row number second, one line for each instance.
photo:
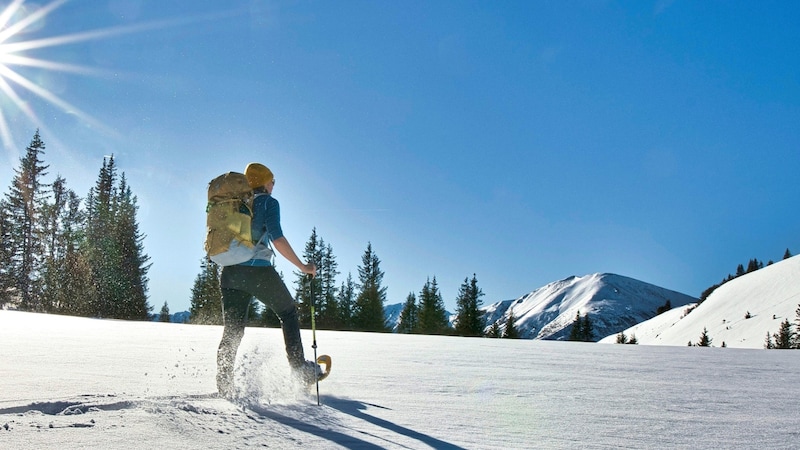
column 310, row 269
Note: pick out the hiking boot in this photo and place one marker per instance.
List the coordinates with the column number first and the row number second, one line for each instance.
column 308, row 373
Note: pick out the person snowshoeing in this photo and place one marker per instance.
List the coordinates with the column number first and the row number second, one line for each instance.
column 258, row 278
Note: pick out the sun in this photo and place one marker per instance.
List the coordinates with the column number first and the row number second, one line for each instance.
column 14, row 52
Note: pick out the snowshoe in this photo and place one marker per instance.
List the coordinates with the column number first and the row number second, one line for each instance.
column 324, row 360
column 310, row 372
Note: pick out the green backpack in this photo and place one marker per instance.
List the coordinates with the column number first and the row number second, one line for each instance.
column 228, row 216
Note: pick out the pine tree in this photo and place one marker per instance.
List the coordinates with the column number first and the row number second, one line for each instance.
column 409, row 316
column 754, row 264
column 587, row 329
column 368, row 312
column 510, row 331
column 6, row 251
column 78, row 290
column 785, row 337
column 134, row 262
column 75, row 278
column 576, row 333
column 582, row 328
column 470, row 319
column 329, row 316
column 53, row 248
column 787, row 254
column 206, row 302
column 24, row 205
column 100, row 249
column 312, row 254
column 432, row 314
column 705, row 339
column 768, row 343
column 64, row 276
column 114, row 249
column 621, row 338
column 346, row 303
column 797, row 335
column 325, row 300
column 164, row 316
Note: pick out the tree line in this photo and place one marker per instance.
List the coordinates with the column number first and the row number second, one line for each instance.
column 63, row 254
column 354, row 304
column 752, row 265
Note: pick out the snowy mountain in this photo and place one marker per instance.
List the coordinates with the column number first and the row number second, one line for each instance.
column 739, row 313
column 613, row 303
column 392, row 315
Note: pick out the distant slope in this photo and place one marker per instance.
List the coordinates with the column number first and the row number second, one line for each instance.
column 770, row 295
column 178, row 317
column 613, row 303
column 392, row 315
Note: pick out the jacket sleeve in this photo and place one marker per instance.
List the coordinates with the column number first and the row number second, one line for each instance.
column 272, row 220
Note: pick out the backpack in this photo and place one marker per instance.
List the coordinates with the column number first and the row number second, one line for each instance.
column 228, row 216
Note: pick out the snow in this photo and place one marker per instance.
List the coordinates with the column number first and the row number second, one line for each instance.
column 613, row 302
column 76, row 382
column 770, row 296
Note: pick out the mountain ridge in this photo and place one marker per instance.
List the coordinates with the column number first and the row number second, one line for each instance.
column 613, row 302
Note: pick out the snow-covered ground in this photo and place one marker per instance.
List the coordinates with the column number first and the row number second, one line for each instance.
column 739, row 313
column 73, row 382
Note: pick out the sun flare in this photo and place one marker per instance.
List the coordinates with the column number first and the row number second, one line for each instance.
column 17, row 58
column 14, row 86
column 17, row 52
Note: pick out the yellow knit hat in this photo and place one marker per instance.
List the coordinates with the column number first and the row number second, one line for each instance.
column 257, row 175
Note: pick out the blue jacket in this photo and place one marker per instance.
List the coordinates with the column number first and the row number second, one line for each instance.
column 264, row 228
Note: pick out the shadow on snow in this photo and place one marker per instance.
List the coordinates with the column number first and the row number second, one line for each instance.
column 356, row 410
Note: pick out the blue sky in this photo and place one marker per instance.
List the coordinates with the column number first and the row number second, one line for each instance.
column 524, row 142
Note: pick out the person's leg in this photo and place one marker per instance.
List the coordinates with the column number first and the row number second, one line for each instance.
column 275, row 295
column 290, row 324
column 267, row 286
column 235, row 304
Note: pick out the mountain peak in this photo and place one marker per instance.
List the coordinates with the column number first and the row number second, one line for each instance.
column 613, row 302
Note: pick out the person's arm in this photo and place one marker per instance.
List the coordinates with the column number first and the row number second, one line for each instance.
column 284, row 248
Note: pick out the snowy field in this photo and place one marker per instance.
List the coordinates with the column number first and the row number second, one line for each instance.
column 72, row 382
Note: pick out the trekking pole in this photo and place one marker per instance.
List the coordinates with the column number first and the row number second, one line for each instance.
column 314, row 335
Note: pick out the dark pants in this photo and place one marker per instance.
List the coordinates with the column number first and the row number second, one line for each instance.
column 239, row 285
